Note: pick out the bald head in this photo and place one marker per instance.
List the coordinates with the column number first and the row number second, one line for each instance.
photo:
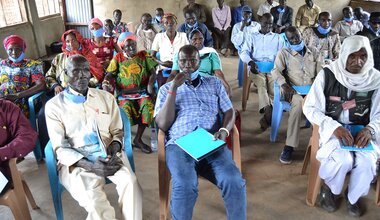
column 78, row 73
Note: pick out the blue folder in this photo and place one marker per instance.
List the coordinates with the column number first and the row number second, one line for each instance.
column 302, row 90
column 354, row 130
column 199, row 144
column 265, row 66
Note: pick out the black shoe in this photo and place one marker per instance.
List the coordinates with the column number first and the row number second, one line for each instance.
column 354, row 210
column 143, row 147
column 286, row 155
column 327, row 199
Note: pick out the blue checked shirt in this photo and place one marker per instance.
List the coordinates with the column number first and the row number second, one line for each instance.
column 195, row 107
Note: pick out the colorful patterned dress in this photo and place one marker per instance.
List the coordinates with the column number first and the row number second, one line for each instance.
column 17, row 77
column 134, row 73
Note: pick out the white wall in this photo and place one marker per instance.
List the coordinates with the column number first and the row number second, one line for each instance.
column 133, row 9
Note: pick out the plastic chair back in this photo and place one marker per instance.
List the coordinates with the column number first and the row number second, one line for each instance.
column 36, row 102
column 51, row 163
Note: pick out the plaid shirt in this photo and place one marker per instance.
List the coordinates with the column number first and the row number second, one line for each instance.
column 195, row 107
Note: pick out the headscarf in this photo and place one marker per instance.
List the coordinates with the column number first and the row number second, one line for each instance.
column 167, row 15
column 129, row 37
column 96, row 68
column 96, row 21
column 368, row 78
column 14, row 39
column 122, row 36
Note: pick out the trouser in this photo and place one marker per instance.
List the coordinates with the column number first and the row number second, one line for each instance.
column 362, row 166
column 87, row 189
column 219, row 168
column 223, row 36
column 294, row 121
column 264, row 84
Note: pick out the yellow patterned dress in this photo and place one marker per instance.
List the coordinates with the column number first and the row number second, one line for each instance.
column 18, row 77
column 134, row 73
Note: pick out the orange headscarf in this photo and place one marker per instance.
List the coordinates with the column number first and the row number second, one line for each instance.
column 96, row 68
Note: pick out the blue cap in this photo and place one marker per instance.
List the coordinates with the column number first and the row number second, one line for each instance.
column 246, row 8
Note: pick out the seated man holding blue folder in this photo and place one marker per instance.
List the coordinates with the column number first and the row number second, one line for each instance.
column 259, row 51
column 344, row 97
column 184, row 104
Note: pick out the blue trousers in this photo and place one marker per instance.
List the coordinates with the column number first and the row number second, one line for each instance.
column 219, row 168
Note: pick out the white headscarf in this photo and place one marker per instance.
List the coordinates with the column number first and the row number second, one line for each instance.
column 368, row 78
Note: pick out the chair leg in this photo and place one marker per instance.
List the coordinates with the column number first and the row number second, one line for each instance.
column 37, row 151
column 164, row 186
column 29, row 195
column 377, row 196
column 276, row 121
column 17, row 209
column 306, row 159
column 240, row 73
column 314, row 181
column 245, row 90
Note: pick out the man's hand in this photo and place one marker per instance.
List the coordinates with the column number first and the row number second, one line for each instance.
column 57, row 90
column 221, row 135
column 179, row 79
column 362, row 138
column 11, row 97
column 288, row 92
column 103, row 168
column 114, row 148
column 344, row 136
column 254, row 68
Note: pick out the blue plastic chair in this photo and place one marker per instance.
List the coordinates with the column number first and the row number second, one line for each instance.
column 56, row 187
column 281, row 105
column 33, row 102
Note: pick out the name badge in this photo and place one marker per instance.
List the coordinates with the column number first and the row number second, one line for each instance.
column 335, row 98
column 349, row 104
column 361, row 94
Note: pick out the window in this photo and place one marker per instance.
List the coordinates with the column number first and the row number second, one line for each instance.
column 12, row 12
column 47, row 7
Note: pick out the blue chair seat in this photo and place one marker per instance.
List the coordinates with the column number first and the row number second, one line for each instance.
column 51, row 163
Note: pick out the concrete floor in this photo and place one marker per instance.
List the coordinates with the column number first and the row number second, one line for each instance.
column 274, row 191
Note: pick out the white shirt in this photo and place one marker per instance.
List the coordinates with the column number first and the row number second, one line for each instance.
column 238, row 37
column 266, row 7
column 261, row 47
column 345, row 30
column 162, row 44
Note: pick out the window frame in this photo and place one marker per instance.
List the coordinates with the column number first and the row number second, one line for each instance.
column 22, row 12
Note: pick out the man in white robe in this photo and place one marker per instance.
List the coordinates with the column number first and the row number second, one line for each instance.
column 345, row 93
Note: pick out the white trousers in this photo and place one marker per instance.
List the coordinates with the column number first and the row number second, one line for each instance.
column 88, row 190
column 362, row 165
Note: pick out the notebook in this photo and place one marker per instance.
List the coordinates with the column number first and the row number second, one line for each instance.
column 302, row 90
column 3, row 181
column 199, row 144
column 354, row 130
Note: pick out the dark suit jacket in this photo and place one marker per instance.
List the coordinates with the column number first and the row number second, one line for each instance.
column 287, row 17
